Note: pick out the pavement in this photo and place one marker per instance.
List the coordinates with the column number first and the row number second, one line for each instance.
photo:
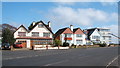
column 105, row 56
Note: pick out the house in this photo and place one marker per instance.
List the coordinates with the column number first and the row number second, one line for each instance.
column 93, row 35
column 70, row 35
column 39, row 34
column 98, row 35
column 65, row 35
column 79, row 37
column 105, row 33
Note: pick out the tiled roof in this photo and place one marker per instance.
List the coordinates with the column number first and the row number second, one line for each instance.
column 60, row 31
column 75, row 30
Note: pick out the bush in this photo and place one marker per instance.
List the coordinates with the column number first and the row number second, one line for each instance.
column 102, row 44
column 65, row 44
column 57, row 42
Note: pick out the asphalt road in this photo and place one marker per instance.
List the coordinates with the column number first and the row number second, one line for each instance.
column 107, row 56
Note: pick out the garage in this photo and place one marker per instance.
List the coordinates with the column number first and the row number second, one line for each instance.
column 23, row 43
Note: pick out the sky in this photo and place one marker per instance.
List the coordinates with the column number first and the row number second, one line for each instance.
column 63, row 14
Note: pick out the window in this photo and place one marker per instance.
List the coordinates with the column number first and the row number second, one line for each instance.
column 36, row 34
column 21, row 33
column 79, row 41
column 105, row 30
column 103, row 38
column 40, row 25
column 46, row 34
column 78, row 35
column 109, row 38
column 68, row 35
column 95, row 37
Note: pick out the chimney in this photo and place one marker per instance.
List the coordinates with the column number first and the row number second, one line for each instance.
column 49, row 24
column 33, row 23
column 71, row 27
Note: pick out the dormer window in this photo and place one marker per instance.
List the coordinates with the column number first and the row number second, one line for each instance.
column 40, row 25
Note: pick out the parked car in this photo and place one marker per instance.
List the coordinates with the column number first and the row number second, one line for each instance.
column 18, row 45
column 6, row 46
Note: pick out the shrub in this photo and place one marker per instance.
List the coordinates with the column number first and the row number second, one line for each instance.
column 102, row 44
column 65, row 44
column 57, row 42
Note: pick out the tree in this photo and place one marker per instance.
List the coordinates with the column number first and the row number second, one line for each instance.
column 8, row 36
column 57, row 42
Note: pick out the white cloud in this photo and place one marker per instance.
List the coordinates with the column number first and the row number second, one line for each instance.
column 83, row 17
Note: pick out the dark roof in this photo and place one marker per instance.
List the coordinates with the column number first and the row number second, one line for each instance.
column 89, row 32
column 74, row 30
column 43, row 24
column 60, row 31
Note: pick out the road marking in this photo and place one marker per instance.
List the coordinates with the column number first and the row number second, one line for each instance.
column 56, row 63
column 112, row 61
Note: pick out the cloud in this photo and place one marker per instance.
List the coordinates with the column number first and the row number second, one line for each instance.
column 80, row 16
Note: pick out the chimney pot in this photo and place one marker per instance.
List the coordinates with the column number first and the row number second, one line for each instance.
column 49, row 24
column 71, row 27
column 33, row 23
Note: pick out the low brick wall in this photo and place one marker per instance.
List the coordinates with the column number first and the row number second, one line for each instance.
column 36, row 47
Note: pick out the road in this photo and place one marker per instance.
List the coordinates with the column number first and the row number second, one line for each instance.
column 106, row 56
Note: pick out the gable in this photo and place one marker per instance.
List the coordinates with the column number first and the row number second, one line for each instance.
column 96, row 33
column 45, row 27
column 39, row 28
column 68, row 30
column 21, row 29
column 79, row 31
